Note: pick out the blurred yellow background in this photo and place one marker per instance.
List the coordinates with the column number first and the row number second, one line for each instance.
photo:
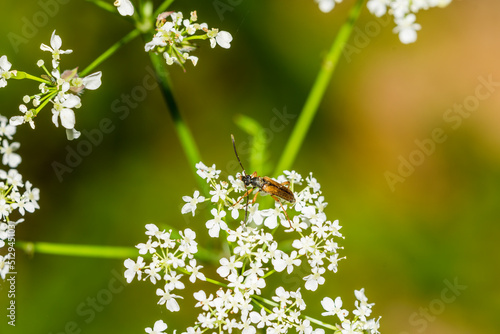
column 405, row 243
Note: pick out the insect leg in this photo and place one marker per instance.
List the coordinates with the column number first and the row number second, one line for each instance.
column 245, row 195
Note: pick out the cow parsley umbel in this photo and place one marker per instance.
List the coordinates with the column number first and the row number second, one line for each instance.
column 176, row 35
column 17, row 197
column 60, row 89
column 242, row 300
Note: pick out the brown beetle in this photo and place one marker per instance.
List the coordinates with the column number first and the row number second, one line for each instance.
column 265, row 184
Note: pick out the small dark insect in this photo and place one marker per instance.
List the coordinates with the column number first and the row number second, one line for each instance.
column 265, row 184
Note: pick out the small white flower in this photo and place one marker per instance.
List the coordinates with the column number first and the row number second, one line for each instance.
column 334, row 308
column 188, row 244
column 14, row 178
column 228, row 267
column 378, row 7
column 168, row 299
column 224, row 39
column 203, row 301
column 407, row 28
column 195, row 271
column 286, row 261
column 327, row 5
column 262, row 318
column 27, row 118
column 55, row 49
column 173, row 281
column 216, row 224
column 133, row 268
column 207, row 173
column 153, row 272
column 22, row 204
column 255, row 215
column 272, row 215
column 9, row 157
column 349, row 327
column 62, row 110
column 282, row 296
column 158, row 328
column 4, row 266
column 305, row 245
column 192, row 202
column 293, row 176
column 314, row 279
column 313, row 183
column 149, row 246
column 362, row 310
column 125, row 7
column 304, row 327
column 153, row 230
column 5, row 73
column 6, row 129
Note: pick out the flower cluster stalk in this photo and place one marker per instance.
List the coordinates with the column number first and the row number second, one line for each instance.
column 317, row 92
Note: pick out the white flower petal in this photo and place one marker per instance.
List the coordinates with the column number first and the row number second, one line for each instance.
column 67, row 118
column 224, row 39
column 55, row 41
column 125, row 7
column 72, row 134
column 92, row 81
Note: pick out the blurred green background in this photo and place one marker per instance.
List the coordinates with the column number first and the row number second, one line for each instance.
column 440, row 224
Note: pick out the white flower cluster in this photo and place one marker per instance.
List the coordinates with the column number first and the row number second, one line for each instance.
column 403, row 12
column 254, row 255
column 16, row 196
column 169, row 256
column 175, row 36
column 360, row 323
column 60, row 89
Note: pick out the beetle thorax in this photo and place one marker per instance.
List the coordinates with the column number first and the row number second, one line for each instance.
column 252, row 181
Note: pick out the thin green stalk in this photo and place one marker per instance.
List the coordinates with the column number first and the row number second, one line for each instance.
column 317, row 92
column 23, row 75
column 109, row 52
column 104, row 5
column 110, row 252
column 321, row 323
column 185, row 136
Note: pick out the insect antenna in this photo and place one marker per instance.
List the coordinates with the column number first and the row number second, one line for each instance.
column 237, row 157
column 244, row 173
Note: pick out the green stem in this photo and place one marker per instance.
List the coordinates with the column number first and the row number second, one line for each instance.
column 110, row 252
column 109, row 52
column 317, row 92
column 20, row 75
column 104, row 5
column 185, row 136
column 266, row 301
column 321, row 323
